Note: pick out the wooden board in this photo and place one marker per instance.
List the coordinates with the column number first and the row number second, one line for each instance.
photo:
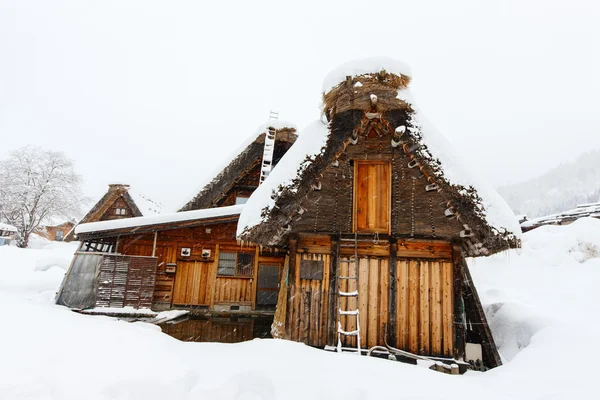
column 425, row 308
column 191, row 282
column 372, row 208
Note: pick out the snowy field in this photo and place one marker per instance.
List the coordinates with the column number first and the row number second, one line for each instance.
column 542, row 302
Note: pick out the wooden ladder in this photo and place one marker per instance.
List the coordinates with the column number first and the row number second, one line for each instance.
column 349, row 313
column 269, row 149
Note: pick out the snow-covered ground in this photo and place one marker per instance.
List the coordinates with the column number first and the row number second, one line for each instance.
column 542, row 301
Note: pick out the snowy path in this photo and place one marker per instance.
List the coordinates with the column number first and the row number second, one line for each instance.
column 544, row 307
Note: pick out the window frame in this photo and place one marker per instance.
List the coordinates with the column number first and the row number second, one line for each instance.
column 237, row 267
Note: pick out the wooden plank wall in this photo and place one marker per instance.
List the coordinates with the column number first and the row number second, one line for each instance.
column 233, row 290
column 424, row 303
column 310, row 297
column 373, row 294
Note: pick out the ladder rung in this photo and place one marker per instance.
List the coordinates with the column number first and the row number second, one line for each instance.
column 350, row 333
column 351, row 312
column 348, row 294
column 348, row 277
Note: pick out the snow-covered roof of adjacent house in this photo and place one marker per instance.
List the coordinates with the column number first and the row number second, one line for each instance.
column 158, row 219
column 435, row 151
column 215, row 185
column 581, row 211
column 7, row 227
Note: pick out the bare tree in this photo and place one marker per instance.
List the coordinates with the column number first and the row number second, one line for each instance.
column 36, row 185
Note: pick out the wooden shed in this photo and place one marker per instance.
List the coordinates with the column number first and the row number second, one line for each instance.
column 199, row 262
column 376, row 229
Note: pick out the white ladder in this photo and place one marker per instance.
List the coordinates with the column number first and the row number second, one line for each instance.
column 269, row 149
column 349, row 313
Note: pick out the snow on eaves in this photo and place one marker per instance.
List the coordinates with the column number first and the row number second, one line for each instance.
column 225, row 161
column 492, row 206
column 364, row 67
column 311, row 140
column 159, row 219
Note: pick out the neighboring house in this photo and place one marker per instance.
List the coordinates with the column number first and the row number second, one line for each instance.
column 563, row 218
column 57, row 232
column 117, row 203
column 198, row 262
column 377, row 215
column 8, row 234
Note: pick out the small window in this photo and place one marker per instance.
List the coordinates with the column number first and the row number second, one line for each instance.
column 241, row 200
column 121, row 211
column 311, row 269
column 59, row 236
column 235, row 264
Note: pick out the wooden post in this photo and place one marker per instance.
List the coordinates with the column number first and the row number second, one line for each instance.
column 213, row 279
column 255, row 277
column 333, row 296
column 393, row 316
column 293, row 294
column 459, row 308
column 154, row 244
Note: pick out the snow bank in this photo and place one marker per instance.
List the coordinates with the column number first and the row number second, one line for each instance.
column 309, row 144
column 542, row 303
column 159, row 219
column 364, row 66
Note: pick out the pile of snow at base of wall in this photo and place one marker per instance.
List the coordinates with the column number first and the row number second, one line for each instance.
column 541, row 299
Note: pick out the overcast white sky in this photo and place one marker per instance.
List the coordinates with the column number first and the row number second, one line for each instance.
column 155, row 93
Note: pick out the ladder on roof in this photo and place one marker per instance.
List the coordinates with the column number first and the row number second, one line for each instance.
column 344, row 303
column 269, row 149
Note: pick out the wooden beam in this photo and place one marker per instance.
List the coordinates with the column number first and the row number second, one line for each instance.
column 154, row 244
column 393, row 317
column 459, row 307
column 333, row 297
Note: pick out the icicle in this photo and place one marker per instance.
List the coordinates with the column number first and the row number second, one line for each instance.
column 316, row 186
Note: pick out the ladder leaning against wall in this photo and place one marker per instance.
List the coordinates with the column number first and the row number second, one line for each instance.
column 347, row 310
column 269, row 149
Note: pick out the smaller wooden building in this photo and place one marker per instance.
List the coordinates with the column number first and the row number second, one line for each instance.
column 58, row 232
column 199, row 263
column 590, row 210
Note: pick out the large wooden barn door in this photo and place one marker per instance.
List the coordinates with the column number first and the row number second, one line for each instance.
column 373, row 291
column 191, row 284
column 372, row 196
column 424, row 303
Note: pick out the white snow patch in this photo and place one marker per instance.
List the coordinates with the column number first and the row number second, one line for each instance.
column 146, row 205
column 171, row 314
column 7, row 227
column 160, row 219
column 364, row 66
column 308, row 145
column 122, row 310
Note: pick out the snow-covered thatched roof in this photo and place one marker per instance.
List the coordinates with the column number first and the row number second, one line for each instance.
column 562, row 218
column 470, row 198
column 232, row 168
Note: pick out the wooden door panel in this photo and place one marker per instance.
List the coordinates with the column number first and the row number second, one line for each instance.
column 372, row 196
column 191, row 281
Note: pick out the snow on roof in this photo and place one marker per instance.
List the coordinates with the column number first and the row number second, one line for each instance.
column 7, row 227
column 146, row 205
column 159, row 219
column 497, row 212
column 362, row 67
column 225, row 161
column 309, row 144
column 313, row 138
column 581, row 211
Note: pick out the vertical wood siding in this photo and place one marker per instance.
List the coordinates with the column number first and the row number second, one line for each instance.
column 424, row 304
